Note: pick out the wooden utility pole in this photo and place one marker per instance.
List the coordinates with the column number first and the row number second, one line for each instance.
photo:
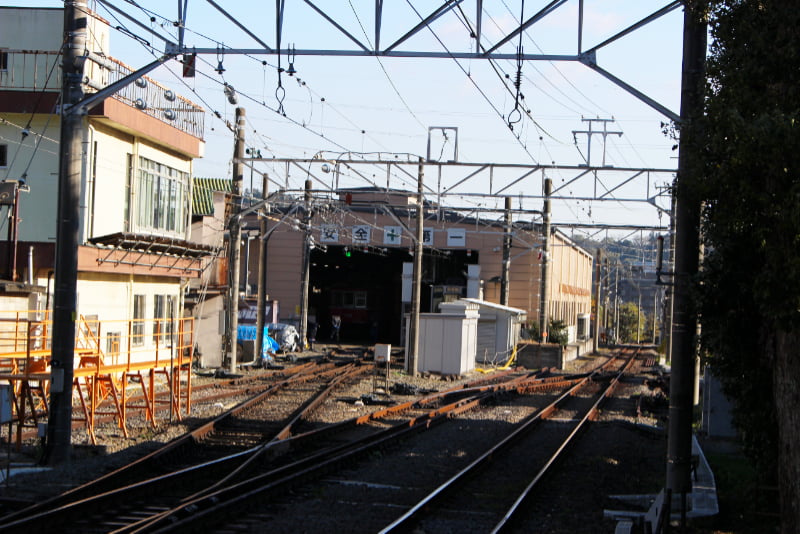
column 235, row 241
column 59, row 430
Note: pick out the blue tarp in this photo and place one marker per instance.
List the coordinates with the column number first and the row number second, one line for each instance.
column 247, row 332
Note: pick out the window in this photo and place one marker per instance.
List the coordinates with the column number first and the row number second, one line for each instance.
column 113, row 343
column 349, row 299
column 158, row 317
column 137, row 329
column 3, row 155
column 162, row 193
column 3, row 60
column 163, row 315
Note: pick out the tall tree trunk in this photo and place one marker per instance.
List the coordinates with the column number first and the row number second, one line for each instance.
column 786, row 391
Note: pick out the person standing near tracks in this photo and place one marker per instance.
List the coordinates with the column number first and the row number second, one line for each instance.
column 336, row 325
column 312, row 334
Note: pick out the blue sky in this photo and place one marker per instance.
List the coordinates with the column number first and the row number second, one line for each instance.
column 369, row 105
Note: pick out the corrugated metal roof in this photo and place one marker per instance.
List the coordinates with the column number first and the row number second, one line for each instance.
column 203, row 193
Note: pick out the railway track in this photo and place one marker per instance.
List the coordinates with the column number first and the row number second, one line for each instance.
column 217, row 444
column 286, row 500
column 476, row 499
column 132, row 508
column 259, row 482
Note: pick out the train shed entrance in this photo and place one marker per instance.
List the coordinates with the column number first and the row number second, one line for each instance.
column 364, row 287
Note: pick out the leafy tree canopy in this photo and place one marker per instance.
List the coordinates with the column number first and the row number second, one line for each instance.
column 751, row 216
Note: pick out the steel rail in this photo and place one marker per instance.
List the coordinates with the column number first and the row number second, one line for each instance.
column 591, row 415
column 110, row 480
column 410, row 516
column 153, row 485
column 201, row 512
column 59, row 510
column 213, row 505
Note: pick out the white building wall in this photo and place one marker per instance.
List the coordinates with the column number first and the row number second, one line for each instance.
column 108, row 175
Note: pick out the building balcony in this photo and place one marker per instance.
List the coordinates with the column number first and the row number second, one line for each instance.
column 31, row 72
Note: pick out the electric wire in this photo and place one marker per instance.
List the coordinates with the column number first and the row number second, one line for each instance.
column 471, row 79
column 385, row 72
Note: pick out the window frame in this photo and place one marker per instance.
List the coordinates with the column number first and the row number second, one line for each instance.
column 139, row 315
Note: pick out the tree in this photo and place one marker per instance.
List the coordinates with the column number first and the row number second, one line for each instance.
column 631, row 323
column 751, row 226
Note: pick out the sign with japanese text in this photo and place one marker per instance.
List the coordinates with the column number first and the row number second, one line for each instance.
column 427, row 236
column 392, row 235
column 456, row 237
column 361, row 234
column 329, row 234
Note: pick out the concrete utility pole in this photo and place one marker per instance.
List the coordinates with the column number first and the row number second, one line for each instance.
column 615, row 317
column 306, row 267
column 543, row 304
column 59, row 430
column 413, row 350
column 235, row 240
column 505, row 278
column 262, row 272
column 598, row 271
column 687, row 222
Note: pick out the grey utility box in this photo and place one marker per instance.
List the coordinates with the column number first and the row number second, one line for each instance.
column 498, row 330
column 447, row 340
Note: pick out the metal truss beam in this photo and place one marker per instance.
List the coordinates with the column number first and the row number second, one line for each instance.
column 456, row 179
column 492, row 51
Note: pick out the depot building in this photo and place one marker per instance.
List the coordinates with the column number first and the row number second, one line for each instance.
column 361, row 263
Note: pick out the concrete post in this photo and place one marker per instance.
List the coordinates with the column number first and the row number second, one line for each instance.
column 687, row 216
column 235, row 239
column 262, row 272
column 506, row 269
column 545, row 293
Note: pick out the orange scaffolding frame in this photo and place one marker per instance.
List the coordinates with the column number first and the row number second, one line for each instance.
column 107, row 364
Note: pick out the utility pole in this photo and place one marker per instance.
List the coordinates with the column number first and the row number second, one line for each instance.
column 262, row 272
column 505, row 278
column 306, row 266
column 615, row 317
column 604, row 132
column 59, row 429
column 413, row 350
column 687, row 222
column 543, row 304
column 597, row 289
column 639, row 318
column 234, row 240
